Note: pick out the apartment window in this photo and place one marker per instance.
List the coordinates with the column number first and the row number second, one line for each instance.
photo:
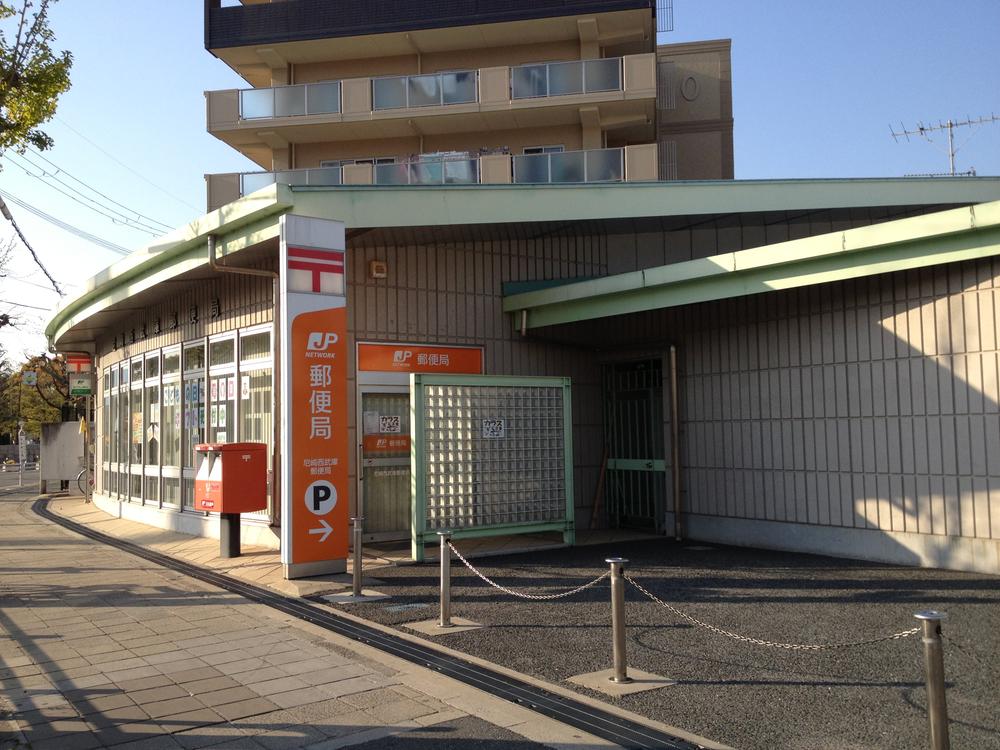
column 544, row 149
column 348, row 162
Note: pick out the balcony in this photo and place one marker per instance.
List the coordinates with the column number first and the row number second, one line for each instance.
column 431, row 90
column 628, row 164
column 620, row 91
column 565, row 78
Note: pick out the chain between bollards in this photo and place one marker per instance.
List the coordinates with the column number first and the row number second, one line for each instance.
column 937, row 706
column 445, row 620
column 620, row 672
column 356, row 564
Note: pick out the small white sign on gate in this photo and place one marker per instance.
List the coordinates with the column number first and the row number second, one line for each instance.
column 494, row 428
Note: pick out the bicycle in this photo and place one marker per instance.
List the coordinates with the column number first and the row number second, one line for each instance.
column 83, row 483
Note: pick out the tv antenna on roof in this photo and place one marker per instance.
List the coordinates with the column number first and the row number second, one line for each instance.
column 924, row 132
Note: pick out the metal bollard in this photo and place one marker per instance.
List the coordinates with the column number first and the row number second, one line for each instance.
column 937, row 706
column 445, row 619
column 618, row 619
column 356, row 555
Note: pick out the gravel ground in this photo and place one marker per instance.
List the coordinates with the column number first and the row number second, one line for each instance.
column 741, row 694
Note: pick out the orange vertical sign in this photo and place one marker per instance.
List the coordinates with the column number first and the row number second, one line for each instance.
column 319, row 452
column 315, row 456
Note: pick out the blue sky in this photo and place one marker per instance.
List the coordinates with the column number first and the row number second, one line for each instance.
column 815, row 89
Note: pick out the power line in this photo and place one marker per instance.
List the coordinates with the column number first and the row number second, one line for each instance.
column 116, row 217
column 125, row 166
column 106, row 244
column 22, row 304
column 166, row 227
column 7, row 215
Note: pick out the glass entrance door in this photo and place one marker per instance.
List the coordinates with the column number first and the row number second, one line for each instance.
column 385, row 462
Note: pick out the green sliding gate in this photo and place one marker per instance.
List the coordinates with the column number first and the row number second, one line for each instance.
column 491, row 456
column 635, row 486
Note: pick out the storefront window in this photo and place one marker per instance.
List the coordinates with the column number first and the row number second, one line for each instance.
column 152, row 434
column 112, row 440
column 194, row 357
column 124, row 429
column 136, row 438
column 222, row 352
column 170, row 427
column 194, row 417
column 255, row 346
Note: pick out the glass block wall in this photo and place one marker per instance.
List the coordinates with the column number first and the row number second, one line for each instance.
column 494, row 455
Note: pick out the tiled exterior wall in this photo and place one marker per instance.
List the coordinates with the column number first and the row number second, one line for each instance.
column 866, row 404
column 451, row 293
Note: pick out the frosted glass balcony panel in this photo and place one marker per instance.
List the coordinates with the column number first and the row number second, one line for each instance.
column 531, row 168
column 424, row 91
column 565, row 78
column 602, row 75
column 459, row 88
column 254, row 181
column 426, row 173
column 391, row 174
column 324, row 176
column 289, row 101
column 569, row 166
column 388, row 93
column 461, row 172
column 604, row 165
column 256, row 104
column 528, row 81
column 323, row 98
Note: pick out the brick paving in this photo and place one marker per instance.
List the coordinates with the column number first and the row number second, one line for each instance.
column 101, row 649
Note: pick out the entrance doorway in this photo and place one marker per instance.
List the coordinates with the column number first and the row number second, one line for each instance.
column 385, row 462
column 636, row 479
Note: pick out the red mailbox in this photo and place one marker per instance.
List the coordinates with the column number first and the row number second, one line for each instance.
column 231, row 478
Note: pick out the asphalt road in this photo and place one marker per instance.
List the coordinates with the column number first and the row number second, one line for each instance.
column 744, row 695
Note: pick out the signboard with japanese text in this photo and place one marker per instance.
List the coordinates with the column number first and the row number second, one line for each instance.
column 315, row 456
column 467, row 360
column 80, row 385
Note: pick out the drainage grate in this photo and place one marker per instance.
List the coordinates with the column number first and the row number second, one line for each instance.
column 628, row 734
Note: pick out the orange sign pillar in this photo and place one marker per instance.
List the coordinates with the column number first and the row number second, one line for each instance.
column 313, row 410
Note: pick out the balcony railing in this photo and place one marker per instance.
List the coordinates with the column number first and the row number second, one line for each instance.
column 636, row 163
column 430, row 90
column 253, row 181
column 429, row 172
column 597, row 165
column 289, row 101
column 559, row 79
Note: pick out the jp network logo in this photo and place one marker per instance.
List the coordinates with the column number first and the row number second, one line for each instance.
column 401, row 356
column 321, row 341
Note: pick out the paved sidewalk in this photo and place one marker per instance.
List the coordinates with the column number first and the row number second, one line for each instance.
column 99, row 648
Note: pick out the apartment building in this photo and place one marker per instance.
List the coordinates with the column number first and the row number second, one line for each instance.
column 359, row 93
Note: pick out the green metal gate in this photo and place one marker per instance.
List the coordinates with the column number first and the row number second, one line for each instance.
column 635, row 485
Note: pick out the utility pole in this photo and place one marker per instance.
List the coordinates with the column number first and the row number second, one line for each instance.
column 924, row 132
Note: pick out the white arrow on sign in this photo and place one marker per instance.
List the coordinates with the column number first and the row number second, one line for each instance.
column 325, row 529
